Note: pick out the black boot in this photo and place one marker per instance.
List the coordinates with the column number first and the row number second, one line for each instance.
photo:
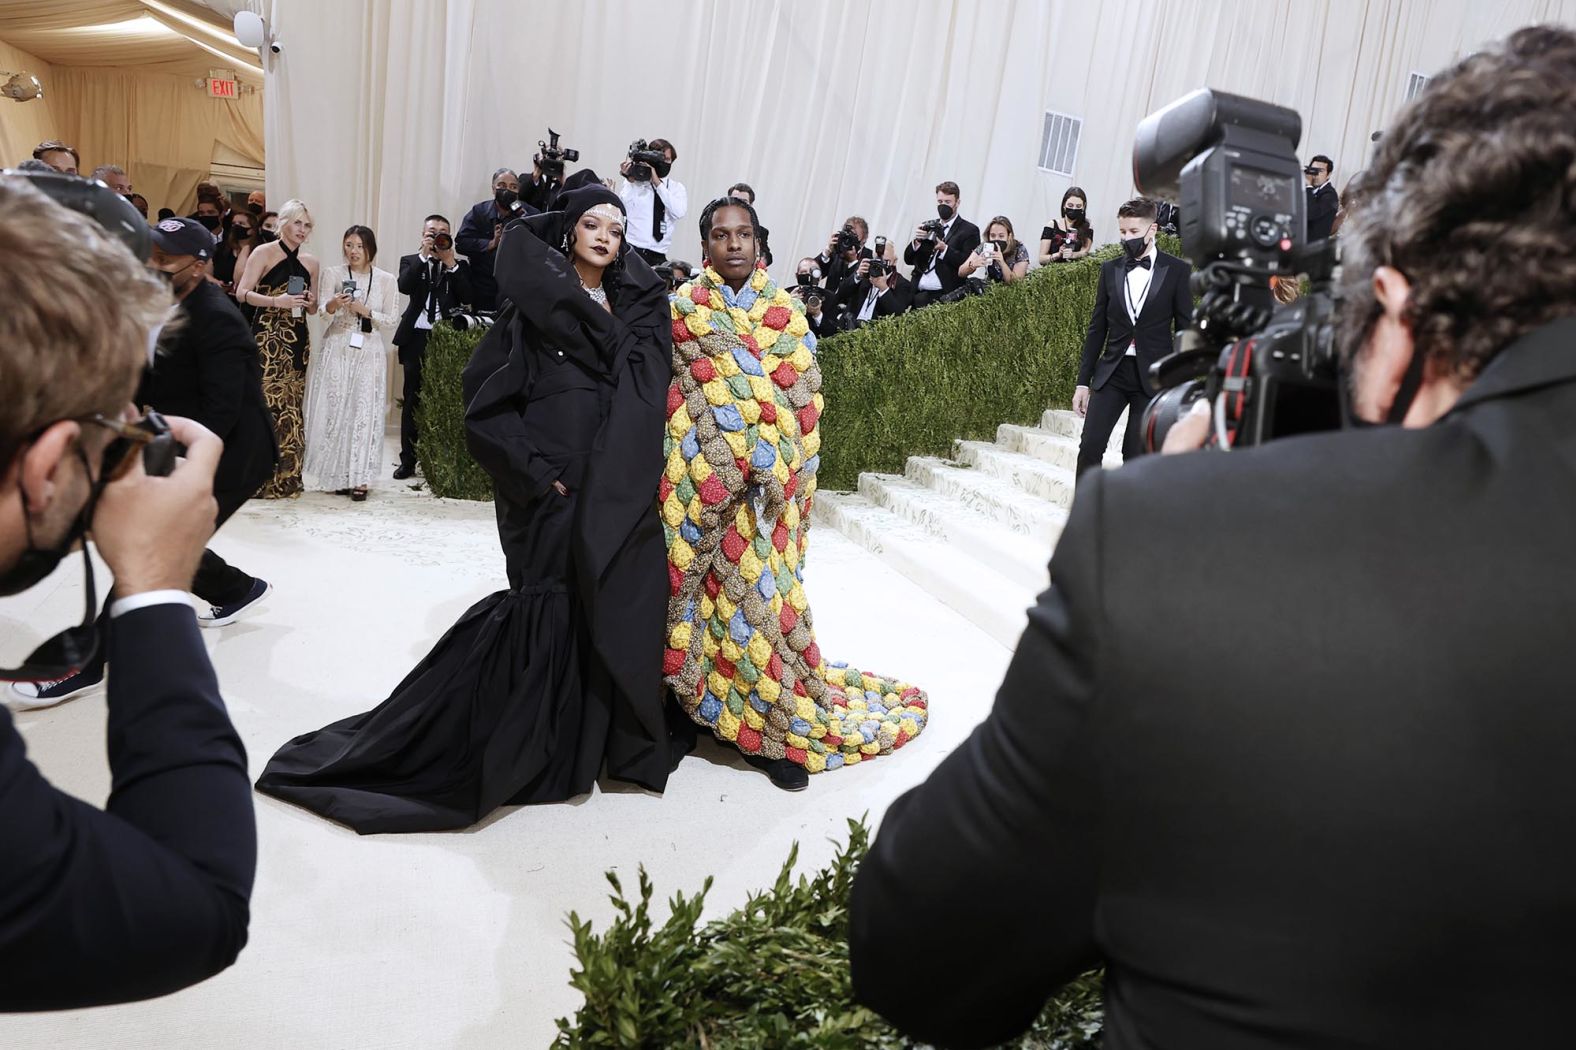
column 784, row 774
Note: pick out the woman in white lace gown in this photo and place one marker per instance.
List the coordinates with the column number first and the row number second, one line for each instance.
column 347, row 393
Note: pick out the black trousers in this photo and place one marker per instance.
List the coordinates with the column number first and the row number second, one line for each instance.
column 1123, row 390
column 411, row 356
column 654, row 258
column 923, row 299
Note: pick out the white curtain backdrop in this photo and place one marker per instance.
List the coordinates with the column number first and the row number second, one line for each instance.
column 381, row 111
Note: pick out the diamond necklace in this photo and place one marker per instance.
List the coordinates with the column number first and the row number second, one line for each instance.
column 597, row 295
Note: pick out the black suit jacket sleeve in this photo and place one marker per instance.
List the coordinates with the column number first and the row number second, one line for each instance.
column 151, row 894
column 965, row 239
column 459, row 287
column 413, row 276
column 1094, row 339
column 476, row 230
column 1182, row 297
column 943, row 892
column 224, row 370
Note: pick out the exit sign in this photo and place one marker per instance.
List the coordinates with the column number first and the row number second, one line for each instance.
column 221, row 88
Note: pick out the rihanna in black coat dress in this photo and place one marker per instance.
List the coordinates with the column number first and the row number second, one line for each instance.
column 536, row 687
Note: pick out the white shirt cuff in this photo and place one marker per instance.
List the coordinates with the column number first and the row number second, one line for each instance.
column 122, row 606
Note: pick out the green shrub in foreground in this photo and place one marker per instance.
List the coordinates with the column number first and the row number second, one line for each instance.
column 440, row 421
column 772, row 975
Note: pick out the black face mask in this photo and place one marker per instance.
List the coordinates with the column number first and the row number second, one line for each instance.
column 505, row 197
column 1073, row 215
column 210, row 222
column 662, row 168
column 1135, row 247
column 264, row 236
column 945, row 211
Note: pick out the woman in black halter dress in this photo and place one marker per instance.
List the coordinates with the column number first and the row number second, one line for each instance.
column 537, row 686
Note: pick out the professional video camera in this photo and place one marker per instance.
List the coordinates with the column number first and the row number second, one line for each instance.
column 1268, row 372
column 550, row 158
column 643, row 160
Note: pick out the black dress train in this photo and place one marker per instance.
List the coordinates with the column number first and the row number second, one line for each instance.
column 526, row 697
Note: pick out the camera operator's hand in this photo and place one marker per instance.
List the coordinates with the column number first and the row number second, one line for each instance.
column 656, row 180
column 152, row 531
column 623, row 169
column 864, row 269
column 1189, row 433
column 446, row 256
column 496, row 237
column 1081, row 401
column 919, row 236
column 427, row 249
column 797, row 291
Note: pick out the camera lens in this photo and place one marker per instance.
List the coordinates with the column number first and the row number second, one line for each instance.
column 1163, row 412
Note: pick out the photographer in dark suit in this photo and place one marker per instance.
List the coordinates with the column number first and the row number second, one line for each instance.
column 1323, row 201
column 876, row 289
column 150, row 894
column 437, row 282
column 482, row 229
column 820, row 310
column 1286, row 746
column 1141, row 294
column 940, row 247
column 845, row 250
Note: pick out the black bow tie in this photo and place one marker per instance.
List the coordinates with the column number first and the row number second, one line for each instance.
column 1136, row 264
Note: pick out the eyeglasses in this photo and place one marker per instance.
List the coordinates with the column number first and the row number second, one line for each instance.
column 151, row 434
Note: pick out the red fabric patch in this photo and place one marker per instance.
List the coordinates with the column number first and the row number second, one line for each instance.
column 703, row 370
column 675, row 579
column 726, row 667
column 833, row 741
column 910, row 694
column 712, row 490
column 700, row 295
column 768, row 412
column 808, row 418
column 798, row 689
column 812, row 654
column 902, row 738
column 732, row 544
column 777, row 317
column 750, row 344
column 681, row 332
column 675, row 398
column 787, row 618
column 774, row 667
column 743, row 464
column 713, row 586
column 672, row 660
column 749, row 740
column 785, row 376
column 665, row 489
column 790, row 486
column 795, row 755
column 779, row 535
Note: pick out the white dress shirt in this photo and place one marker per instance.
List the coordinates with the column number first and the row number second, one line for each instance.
column 930, row 282
column 122, row 606
column 1139, row 281
column 638, row 198
column 868, row 311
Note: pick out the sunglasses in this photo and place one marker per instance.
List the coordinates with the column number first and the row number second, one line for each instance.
column 72, row 649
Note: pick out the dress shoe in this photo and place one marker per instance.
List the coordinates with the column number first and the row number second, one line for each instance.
column 781, row 772
column 402, row 472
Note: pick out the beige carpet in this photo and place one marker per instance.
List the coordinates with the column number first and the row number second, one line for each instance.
column 458, row 940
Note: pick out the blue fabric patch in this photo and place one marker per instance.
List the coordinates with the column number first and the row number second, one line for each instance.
column 809, row 341
column 799, row 726
column 764, row 456
column 811, row 465
column 689, row 610
column 691, row 533
column 728, row 418
column 756, row 702
column 767, row 586
column 690, row 446
column 739, row 628
column 834, row 761
column 747, row 362
column 710, row 708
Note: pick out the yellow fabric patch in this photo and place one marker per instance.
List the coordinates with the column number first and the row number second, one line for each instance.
column 798, row 326
column 717, row 393
column 768, row 688
column 672, row 511
column 760, row 650
column 801, row 359
column 679, row 637
column 750, row 567
column 681, row 553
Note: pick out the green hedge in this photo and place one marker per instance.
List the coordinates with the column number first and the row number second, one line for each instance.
column 909, row 385
column 773, row 975
column 899, row 387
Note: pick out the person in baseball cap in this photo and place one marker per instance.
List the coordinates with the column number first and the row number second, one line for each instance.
column 178, row 238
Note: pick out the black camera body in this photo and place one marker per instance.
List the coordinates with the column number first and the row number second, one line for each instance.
column 877, row 268
column 551, row 158
column 442, row 241
column 1268, row 370
column 847, row 241
column 644, row 160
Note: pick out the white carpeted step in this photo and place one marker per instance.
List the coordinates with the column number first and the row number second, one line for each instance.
column 1033, row 476
column 997, row 499
column 1013, row 554
column 1056, row 449
column 947, row 570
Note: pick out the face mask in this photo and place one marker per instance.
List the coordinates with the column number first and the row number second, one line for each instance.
column 662, row 168
column 1073, row 214
column 264, row 236
column 210, row 222
column 505, row 197
column 945, row 211
column 1135, row 247
column 36, row 563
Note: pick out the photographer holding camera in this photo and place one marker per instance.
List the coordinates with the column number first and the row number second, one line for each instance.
column 482, row 229
column 437, row 283
column 653, row 201
column 807, row 289
column 150, row 894
column 1286, row 745
column 876, row 289
column 940, row 247
column 845, row 250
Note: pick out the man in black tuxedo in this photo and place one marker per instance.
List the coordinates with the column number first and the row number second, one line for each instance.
column 820, row 309
column 208, row 372
column 150, row 894
column 436, row 282
column 1141, row 294
column 940, row 247
column 876, row 289
column 1323, row 201
column 482, row 229
column 1286, row 746
column 836, row 262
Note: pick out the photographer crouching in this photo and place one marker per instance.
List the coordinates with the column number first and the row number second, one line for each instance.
column 151, row 894
column 1286, row 746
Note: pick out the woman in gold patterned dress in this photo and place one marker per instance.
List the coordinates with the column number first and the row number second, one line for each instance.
column 283, row 342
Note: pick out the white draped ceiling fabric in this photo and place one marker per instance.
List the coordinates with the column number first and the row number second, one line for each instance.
column 380, row 111
column 120, row 84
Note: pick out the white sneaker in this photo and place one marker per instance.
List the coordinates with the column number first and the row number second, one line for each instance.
column 32, row 696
